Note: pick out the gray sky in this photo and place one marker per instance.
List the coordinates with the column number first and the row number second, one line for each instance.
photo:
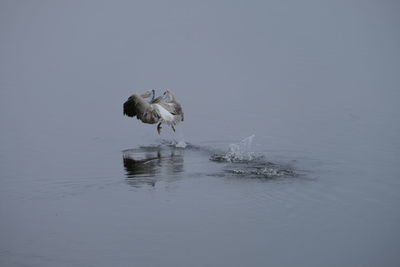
column 67, row 66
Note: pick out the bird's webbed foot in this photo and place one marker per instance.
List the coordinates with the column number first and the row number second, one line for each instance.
column 159, row 128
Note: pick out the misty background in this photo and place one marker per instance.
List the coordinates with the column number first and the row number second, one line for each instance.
column 68, row 66
column 316, row 81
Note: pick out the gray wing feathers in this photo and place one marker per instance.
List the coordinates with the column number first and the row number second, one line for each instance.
column 171, row 103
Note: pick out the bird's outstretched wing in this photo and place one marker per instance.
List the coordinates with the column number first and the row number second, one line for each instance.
column 130, row 107
column 169, row 102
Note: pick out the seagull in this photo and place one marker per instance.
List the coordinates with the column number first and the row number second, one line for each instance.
column 164, row 109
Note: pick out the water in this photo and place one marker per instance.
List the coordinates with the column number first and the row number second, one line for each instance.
column 288, row 155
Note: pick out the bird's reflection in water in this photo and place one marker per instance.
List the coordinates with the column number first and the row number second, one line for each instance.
column 147, row 165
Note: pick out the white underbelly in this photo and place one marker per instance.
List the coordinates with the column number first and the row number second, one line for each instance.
column 166, row 116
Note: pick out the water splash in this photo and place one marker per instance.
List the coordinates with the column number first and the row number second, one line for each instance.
column 181, row 137
column 181, row 144
column 244, row 162
column 238, row 152
column 173, row 143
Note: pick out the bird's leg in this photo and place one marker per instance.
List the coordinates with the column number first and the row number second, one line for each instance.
column 159, row 128
column 155, row 99
column 173, row 128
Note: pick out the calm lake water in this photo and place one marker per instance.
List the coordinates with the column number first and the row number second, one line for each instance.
column 288, row 156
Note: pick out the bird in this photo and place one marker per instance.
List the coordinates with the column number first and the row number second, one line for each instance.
column 164, row 109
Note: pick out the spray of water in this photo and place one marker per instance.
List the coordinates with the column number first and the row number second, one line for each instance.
column 238, row 152
column 181, row 143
